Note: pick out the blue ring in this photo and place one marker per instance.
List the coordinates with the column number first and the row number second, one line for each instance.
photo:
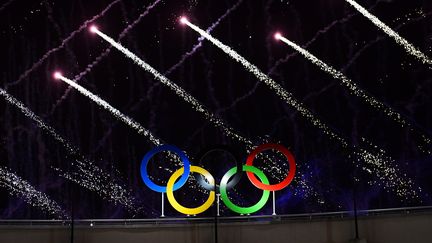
column 151, row 153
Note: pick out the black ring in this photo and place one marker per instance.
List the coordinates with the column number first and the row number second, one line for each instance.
column 235, row 179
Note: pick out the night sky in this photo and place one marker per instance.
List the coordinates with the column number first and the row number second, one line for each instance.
column 40, row 37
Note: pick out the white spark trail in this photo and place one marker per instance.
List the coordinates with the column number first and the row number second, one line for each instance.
column 374, row 160
column 200, row 39
column 273, row 169
column 105, row 53
column 90, row 176
column 353, row 87
column 196, row 105
column 285, row 95
column 409, row 48
column 177, row 89
column 122, row 117
column 64, row 42
column 39, row 122
column 22, row 188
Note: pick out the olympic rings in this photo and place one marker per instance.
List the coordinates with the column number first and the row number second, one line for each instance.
column 156, row 150
column 233, row 181
column 252, row 172
column 283, row 183
column 182, row 209
column 231, row 205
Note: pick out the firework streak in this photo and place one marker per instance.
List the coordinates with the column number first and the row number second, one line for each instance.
column 196, row 105
column 385, row 171
column 104, row 53
column 409, row 48
column 201, row 39
column 99, row 58
column 122, row 117
column 353, row 87
column 61, row 46
column 88, row 175
column 22, row 188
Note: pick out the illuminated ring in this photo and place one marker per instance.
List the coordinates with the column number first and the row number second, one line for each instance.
column 233, row 181
column 231, row 205
column 151, row 153
column 286, row 153
column 180, row 208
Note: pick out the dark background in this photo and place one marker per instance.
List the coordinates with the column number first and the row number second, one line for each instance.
column 332, row 30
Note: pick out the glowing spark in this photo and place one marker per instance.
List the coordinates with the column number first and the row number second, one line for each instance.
column 177, row 89
column 122, row 117
column 388, row 173
column 200, row 39
column 22, row 188
column 277, row 36
column 355, row 90
column 289, row 98
column 57, row 75
column 410, row 48
column 35, row 65
column 93, row 28
column 105, row 53
column 183, row 20
column 283, row 94
column 196, row 105
column 40, row 123
column 274, row 169
column 90, row 176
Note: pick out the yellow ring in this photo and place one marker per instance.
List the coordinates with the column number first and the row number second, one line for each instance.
column 185, row 210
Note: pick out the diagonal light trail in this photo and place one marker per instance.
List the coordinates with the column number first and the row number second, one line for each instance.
column 184, row 57
column 89, row 175
column 120, row 37
column 36, row 64
column 347, row 82
column 196, row 105
column 15, row 185
column 285, row 95
column 177, row 89
column 384, row 169
column 324, row 30
column 275, row 170
column 115, row 112
column 120, row 116
column 103, row 54
column 201, row 39
column 409, row 48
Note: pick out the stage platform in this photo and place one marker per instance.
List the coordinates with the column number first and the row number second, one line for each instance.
column 402, row 225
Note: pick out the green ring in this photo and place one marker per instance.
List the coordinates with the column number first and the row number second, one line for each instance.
column 231, row 205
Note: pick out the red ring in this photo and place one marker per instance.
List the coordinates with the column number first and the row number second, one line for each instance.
column 291, row 162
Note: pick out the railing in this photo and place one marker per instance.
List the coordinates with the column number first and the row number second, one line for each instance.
column 229, row 219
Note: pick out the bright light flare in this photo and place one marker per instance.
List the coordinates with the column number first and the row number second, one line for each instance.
column 183, row 20
column 351, row 85
column 197, row 106
column 93, row 29
column 102, row 103
column 277, row 36
column 380, row 166
column 409, row 48
column 57, row 75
